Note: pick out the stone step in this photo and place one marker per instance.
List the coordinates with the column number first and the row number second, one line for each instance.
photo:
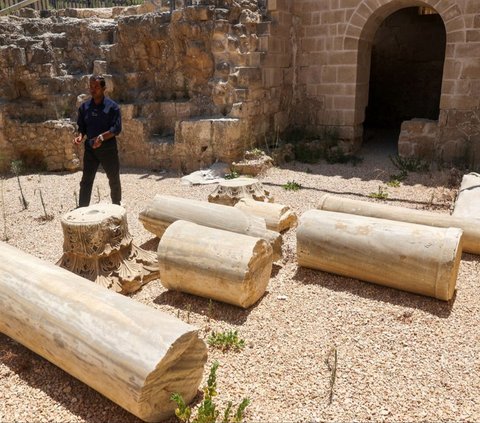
column 246, row 76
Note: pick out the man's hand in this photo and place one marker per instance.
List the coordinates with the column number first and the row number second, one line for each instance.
column 78, row 139
column 98, row 142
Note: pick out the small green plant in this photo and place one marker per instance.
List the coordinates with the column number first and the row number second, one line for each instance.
column 394, row 183
column 232, row 175
column 380, row 194
column 227, row 340
column 291, row 186
column 207, row 411
column 45, row 216
column 409, row 164
column 17, row 169
column 308, row 171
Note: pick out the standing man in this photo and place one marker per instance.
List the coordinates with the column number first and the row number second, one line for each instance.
column 99, row 119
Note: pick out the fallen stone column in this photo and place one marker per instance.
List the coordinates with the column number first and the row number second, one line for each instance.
column 163, row 210
column 467, row 204
column 98, row 246
column 470, row 227
column 277, row 216
column 415, row 258
column 211, row 263
column 133, row 354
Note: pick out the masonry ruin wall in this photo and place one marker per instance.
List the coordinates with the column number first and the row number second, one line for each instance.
column 209, row 81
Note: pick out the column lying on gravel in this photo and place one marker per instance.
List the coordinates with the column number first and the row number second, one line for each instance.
column 133, row 354
column 415, row 258
column 216, row 264
column 163, row 210
column 470, row 227
column 467, row 205
column 277, row 216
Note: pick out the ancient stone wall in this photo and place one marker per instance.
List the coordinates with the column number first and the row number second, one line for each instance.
column 209, row 81
column 190, row 84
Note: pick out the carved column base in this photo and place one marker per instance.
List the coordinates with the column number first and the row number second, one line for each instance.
column 98, row 246
column 231, row 191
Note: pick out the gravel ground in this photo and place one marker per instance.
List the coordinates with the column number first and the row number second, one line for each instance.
column 401, row 357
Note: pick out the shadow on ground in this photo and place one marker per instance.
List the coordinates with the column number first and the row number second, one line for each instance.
column 374, row 292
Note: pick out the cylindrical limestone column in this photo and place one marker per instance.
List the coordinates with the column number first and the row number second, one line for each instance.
column 277, row 216
column 163, row 210
column 470, row 227
column 98, row 246
column 133, row 354
column 467, row 204
column 415, row 258
column 216, row 264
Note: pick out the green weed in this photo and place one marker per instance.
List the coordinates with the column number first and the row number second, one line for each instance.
column 380, row 194
column 291, row 186
column 227, row 340
column 394, row 183
column 207, row 411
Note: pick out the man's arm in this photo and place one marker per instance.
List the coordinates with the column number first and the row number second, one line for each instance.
column 113, row 131
column 82, row 130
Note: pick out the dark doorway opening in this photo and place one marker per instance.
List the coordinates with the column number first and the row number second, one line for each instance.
column 408, row 54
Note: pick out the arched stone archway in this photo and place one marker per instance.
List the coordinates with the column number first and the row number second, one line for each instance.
column 357, row 44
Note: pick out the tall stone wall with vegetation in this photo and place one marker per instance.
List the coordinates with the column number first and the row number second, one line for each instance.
column 209, row 81
column 190, row 83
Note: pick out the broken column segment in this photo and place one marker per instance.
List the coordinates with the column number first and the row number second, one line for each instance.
column 414, row 258
column 133, row 354
column 470, row 226
column 163, row 210
column 216, row 264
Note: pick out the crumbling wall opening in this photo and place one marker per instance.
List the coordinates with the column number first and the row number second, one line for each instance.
column 406, row 69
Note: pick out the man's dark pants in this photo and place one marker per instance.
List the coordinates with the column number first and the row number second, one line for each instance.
column 107, row 156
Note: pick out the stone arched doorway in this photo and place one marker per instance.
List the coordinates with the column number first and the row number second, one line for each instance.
column 406, row 69
column 360, row 34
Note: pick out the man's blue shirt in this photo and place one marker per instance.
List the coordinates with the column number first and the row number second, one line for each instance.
column 94, row 119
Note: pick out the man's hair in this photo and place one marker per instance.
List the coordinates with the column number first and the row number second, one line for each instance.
column 98, row 78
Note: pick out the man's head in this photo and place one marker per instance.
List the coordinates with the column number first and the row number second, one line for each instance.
column 97, row 86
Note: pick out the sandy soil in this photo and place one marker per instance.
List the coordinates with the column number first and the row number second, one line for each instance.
column 401, row 357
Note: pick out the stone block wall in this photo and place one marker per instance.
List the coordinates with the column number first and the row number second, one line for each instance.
column 334, row 52
column 227, row 75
